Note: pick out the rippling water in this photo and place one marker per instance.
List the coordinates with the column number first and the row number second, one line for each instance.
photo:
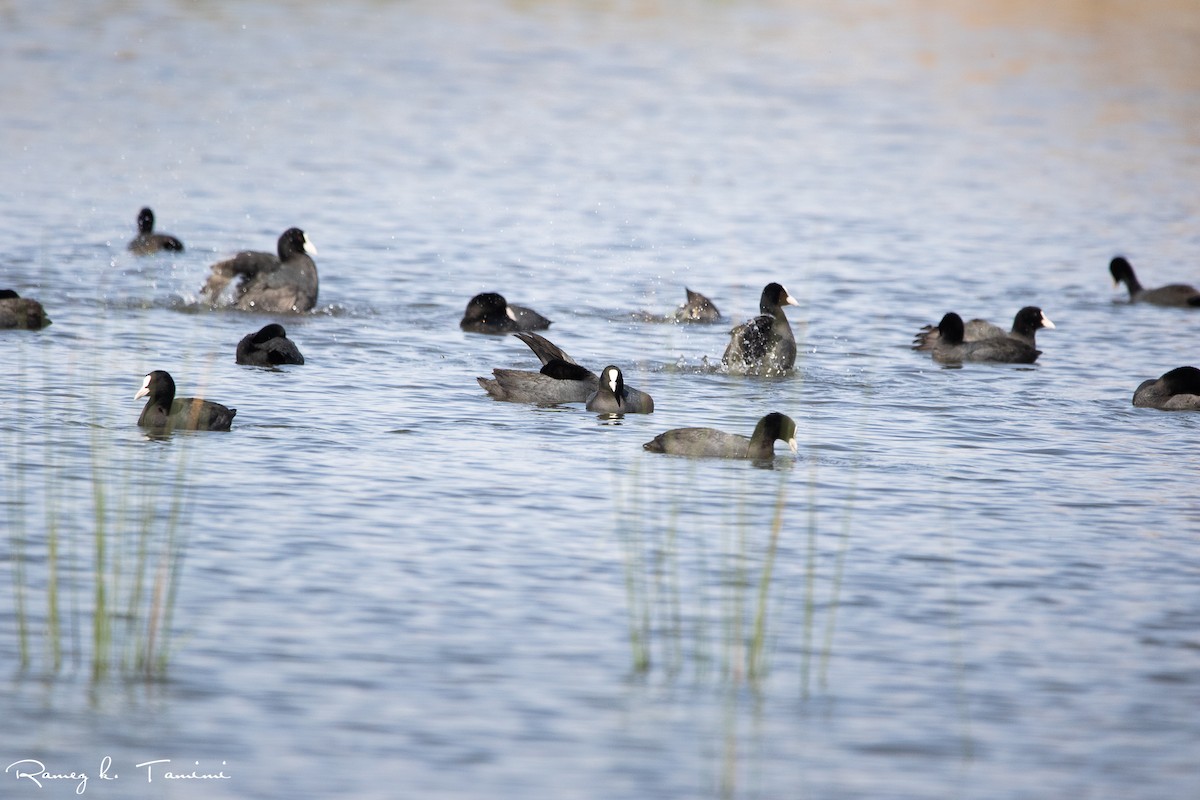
column 976, row 582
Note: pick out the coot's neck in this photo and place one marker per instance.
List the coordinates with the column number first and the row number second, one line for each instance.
column 762, row 443
column 1132, row 282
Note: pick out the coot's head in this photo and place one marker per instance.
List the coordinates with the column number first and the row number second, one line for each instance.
column 1121, row 270
column 1029, row 319
column 951, row 329
column 294, row 241
column 777, row 426
column 488, row 307
column 775, row 296
column 612, row 378
column 159, row 385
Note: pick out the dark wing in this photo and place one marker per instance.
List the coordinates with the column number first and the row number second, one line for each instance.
column 566, row 371
column 247, row 265
column 282, row 350
column 754, row 337
column 543, row 348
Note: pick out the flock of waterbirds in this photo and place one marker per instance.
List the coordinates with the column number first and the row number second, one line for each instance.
column 285, row 282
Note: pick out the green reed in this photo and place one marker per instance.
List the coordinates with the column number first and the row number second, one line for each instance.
column 16, row 527
column 101, row 624
column 671, row 558
column 139, row 555
column 761, row 567
column 687, row 574
column 103, row 550
column 754, row 662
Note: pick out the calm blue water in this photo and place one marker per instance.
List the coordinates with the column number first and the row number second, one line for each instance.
column 976, row 583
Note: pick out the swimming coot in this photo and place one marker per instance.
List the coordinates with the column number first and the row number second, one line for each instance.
column 270, row 347
column 166, row 412
column 698, row 309
column 560, row 380
column 712, row 443
column 611, row 397
column 491, row 313
column 1175, row 294
column 147, row 242
column 765, row 345
column 1177, row 390
column 279, row 284
column 21, row 312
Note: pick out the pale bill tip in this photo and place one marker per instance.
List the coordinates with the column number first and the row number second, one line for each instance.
column 309, row 247
column 791, row 443
column 511, row 314
column 1046, row 323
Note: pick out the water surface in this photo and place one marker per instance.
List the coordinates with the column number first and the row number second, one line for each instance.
column 975, row 582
